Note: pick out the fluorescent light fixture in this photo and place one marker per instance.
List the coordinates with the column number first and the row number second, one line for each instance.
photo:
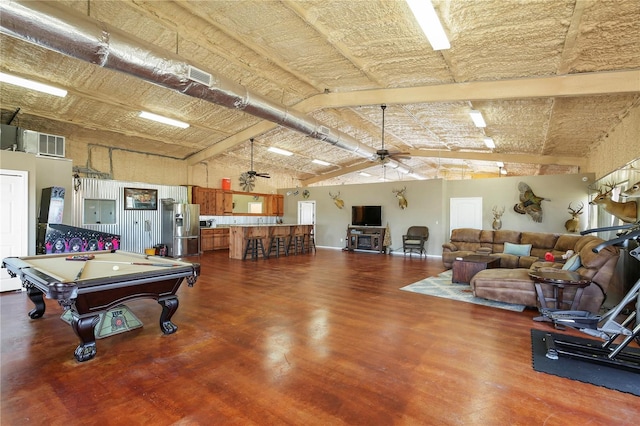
column 28, row 84
column 500, row 163
column 364, row 174
column 279, row 151
column 489, row 143
column 163, row 120
column 322, row 163
column 430, row 23
column 476, row 116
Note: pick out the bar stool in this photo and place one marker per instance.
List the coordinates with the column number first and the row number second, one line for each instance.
column 311, row 241
column 252, row 246
column 277, row 243
column 296, row 240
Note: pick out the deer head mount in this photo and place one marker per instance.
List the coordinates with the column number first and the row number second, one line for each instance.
column 626, row 212
column 336, row 200
column 573, row 224
column 633, row 191
column 497, row 217
column 401, row 196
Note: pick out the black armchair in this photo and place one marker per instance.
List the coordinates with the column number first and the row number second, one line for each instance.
column 414, row 240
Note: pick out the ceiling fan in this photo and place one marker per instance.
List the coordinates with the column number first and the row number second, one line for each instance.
column 384, row 154
column 248, row 179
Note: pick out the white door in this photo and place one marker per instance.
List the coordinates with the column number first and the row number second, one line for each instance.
column 306, row 212
column 14, row 210
column 465, row 213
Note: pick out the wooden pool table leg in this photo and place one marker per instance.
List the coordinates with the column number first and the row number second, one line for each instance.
column 169, row 307
column 85, row 329
column 37, row 298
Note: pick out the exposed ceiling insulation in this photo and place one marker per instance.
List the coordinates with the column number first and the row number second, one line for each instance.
column 551, row 79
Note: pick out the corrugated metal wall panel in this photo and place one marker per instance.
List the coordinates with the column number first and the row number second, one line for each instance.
column 130, row 224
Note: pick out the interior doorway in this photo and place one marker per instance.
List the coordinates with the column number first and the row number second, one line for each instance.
column 307, row 214
column 14, row 211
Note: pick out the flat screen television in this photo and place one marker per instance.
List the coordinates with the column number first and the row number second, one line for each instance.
column 366, row 215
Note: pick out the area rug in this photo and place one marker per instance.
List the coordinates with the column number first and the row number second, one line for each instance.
column 441, row 286
column 575, row 369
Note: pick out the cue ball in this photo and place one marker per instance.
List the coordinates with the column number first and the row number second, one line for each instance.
column 116, row 267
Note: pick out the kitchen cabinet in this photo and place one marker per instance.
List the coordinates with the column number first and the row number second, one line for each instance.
column 224, row 203
column 214, row 238
column 277, row 205
column 206, row 198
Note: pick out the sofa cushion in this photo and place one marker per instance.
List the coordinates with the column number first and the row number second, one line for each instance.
column 502, row 236
column 566, row 242
column 573, row 263
column 540, row 242
column 517, row 249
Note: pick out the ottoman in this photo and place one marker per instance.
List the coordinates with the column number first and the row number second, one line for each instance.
column 505, row 285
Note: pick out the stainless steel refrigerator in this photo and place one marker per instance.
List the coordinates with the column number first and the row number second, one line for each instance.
column 181, row 228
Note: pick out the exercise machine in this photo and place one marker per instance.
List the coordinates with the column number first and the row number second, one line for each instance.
column 604, row 326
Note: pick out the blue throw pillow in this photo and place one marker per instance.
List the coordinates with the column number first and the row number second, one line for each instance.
column 517, row 249
column 573, row 263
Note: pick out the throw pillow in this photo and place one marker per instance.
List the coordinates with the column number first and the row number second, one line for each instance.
column 573, row 263
column 517, row 249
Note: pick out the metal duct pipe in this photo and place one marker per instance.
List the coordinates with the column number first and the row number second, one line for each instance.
column 66, row 31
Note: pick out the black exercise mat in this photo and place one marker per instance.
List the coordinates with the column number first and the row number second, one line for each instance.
column 575, row 369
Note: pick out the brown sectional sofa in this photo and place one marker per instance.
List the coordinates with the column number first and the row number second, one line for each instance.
column 466, row 241
column 511, row 282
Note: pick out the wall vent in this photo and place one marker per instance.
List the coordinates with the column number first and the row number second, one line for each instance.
column 43, row 143
column 200, row 76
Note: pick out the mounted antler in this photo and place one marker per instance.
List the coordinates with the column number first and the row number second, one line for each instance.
column 573, row 224
column 497, row 217
column 402, row 199
column 337, row 201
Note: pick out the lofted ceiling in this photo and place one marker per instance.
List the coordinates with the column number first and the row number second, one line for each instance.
column 551, row 77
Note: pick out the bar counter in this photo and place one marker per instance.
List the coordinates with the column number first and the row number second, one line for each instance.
column 238, row 235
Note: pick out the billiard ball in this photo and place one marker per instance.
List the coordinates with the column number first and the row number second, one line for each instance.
column 116, row 267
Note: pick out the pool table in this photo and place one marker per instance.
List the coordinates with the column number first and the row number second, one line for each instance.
column 91, row 287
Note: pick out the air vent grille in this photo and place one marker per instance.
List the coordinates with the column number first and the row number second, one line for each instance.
column 200, row 76
column 44, row 144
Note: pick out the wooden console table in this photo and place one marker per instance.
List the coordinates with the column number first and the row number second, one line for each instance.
column 369, row 238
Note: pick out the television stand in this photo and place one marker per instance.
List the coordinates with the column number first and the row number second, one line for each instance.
column 367, row 238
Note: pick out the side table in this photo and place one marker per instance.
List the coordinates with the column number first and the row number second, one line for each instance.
column 559, row 280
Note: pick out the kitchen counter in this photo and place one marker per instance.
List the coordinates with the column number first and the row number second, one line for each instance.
column 238, row 235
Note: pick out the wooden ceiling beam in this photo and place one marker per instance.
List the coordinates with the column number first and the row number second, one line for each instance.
column 540, row 87
column 505, row 158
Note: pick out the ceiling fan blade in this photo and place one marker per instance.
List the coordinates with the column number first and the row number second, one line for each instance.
column 263, row 175
column 398, row 154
